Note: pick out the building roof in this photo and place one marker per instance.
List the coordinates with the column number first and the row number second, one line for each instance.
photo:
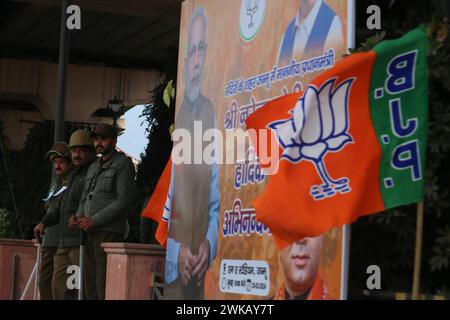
column 127, row 34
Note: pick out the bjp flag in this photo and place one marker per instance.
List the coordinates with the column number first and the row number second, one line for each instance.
column 351, row 144
column 158, row 207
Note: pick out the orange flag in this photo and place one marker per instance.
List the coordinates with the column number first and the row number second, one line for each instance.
column 157, row 208
column 352, row 144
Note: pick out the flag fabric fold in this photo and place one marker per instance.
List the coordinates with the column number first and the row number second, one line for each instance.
column 351, row 144
column 158, row 207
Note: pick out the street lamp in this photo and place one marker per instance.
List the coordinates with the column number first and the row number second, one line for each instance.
column 117, row 107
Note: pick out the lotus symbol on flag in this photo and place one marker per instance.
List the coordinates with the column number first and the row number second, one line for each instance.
column 319, row 124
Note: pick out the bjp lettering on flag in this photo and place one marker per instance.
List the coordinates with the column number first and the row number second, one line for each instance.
column 351, row 144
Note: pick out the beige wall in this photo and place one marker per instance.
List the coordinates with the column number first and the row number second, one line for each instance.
column 88, row 88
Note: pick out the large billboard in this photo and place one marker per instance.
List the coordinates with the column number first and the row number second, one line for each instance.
column 234, row 57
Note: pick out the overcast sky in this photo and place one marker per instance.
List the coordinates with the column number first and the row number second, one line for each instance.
column 134, row 141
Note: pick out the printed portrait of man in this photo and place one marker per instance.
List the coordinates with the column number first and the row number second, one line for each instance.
column 193, row 199
column 300, row 262
column 314, row 29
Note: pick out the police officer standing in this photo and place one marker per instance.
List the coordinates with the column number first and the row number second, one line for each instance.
column 82, row 150
column 59, row 155
column 102, row 212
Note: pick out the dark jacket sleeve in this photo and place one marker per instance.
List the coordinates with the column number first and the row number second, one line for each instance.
column 81, row 205
column 124, row 187
column 51, row 218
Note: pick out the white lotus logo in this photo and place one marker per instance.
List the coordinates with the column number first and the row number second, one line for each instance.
column 319, row 125
column 251, row 18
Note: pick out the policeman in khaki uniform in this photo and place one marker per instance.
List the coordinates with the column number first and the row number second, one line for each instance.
column 59, row 155
column 81, row 147
column 102, row 212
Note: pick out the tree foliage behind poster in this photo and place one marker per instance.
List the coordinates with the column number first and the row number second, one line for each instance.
column 388, row 239
column 160, row 119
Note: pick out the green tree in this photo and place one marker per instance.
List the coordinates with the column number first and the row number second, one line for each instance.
column 160, row 119
column 6, row 226
column 387, row 239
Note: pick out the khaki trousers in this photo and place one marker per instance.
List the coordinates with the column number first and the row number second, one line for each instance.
column 64, row 258
column 95, row 263
column 46, row 272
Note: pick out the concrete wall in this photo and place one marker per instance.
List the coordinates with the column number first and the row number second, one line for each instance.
column 130, row 267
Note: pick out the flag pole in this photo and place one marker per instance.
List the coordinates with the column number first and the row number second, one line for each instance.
column 38, row 268
column 346, row 229
column 418, row 252
column 82, row 260
column 345, row 260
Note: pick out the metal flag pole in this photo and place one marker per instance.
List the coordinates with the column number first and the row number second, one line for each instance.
column 38, row 268
column 346, row 235
column 29, row 282
column 346, row 229
column 81, row 271
column 418, row 252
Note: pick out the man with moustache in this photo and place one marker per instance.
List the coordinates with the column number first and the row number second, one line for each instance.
column 300, row 262
column 81, row 147
column 59, row 155
column 193, row 200
column 102, row 212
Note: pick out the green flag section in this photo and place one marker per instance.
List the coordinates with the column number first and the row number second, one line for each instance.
column 399, row 110
column 352, row 144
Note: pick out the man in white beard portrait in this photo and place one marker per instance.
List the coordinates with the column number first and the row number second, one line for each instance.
column 194, row 190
